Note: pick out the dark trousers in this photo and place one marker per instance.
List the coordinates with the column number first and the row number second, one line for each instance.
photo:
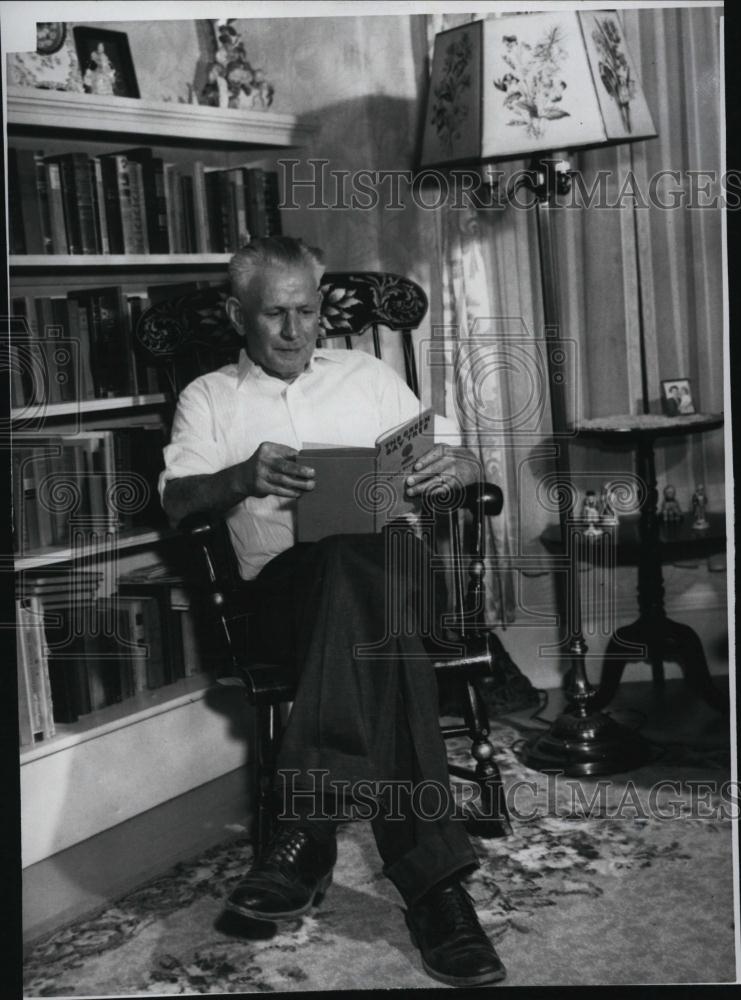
column 365, row 716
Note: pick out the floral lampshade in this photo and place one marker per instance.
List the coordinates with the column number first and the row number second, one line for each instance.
column 515, row 86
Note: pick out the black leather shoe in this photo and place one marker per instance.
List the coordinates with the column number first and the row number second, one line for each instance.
column 455, row 950
column 293, row 875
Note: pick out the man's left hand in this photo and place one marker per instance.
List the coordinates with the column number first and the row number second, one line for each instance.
column 443, row 467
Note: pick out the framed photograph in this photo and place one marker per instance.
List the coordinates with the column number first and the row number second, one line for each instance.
column 676, row 397
column 105, row 62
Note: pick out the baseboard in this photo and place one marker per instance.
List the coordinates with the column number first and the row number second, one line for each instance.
column 77, row 882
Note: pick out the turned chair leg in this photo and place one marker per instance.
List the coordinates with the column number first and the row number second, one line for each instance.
column 490, row 816
column 267, row 733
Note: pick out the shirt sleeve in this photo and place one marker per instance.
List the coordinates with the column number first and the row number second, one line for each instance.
column 195, row 448
column 398, row 404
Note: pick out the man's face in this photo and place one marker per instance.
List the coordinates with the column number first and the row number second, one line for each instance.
column 278, row 315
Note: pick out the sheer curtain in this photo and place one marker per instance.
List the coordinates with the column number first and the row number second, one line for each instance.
column 641, row 265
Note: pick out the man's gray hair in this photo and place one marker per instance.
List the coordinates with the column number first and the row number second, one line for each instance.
column 271, row 251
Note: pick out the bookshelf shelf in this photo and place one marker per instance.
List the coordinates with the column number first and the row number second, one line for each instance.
column 96, row 262
column 86, row 406
column 49, row 557
column 126, row 713
column 186, row 124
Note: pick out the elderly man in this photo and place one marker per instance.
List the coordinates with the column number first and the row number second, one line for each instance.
column 357, row 720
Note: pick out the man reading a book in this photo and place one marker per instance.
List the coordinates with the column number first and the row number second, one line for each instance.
column 365, row 714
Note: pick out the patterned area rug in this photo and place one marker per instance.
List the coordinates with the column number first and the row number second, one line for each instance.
column 628, row 880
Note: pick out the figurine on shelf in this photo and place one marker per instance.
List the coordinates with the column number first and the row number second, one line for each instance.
column 671, row 512
column 232, row 82
column 590, row 514
column 699, row 508
column 100, row 76
column 607, row 512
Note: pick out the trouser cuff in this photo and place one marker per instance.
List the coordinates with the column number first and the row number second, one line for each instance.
column 427, row 864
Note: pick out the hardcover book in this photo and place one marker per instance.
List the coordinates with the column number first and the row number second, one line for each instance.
column 359, row 490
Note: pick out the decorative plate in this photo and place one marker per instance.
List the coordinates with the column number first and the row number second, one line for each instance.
column 50, row 36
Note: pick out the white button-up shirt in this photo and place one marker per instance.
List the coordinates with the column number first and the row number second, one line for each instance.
column 341, row 398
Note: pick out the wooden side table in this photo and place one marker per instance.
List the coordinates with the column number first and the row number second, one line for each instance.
column 653, row 636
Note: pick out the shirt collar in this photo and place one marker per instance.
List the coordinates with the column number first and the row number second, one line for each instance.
column 246, row 367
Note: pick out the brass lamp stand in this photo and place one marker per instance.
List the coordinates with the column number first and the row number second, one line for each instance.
column 581, row 741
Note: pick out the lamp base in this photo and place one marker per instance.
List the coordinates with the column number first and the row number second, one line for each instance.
column 585, row 745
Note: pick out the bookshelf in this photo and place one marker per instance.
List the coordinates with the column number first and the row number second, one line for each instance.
column 20, row 263
column 72, row 783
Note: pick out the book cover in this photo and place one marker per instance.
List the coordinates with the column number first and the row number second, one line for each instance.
column 152, row 196
column 42, row 195
column 59, row 241
column 17, row 238
column 114, row 222
column 101, row 218
column 359, row 490
column 30, row 201
column 25, row 627
column 203, row 236
column 138, row 207
column 77, row 199
column 38, row 666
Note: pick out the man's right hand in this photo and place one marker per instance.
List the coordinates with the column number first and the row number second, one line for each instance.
column 273, row 470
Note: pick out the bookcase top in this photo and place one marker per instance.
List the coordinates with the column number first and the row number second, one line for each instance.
column 194, row 124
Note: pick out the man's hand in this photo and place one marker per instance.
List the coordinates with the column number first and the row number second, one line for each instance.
column 443, row 467
column 273, row 470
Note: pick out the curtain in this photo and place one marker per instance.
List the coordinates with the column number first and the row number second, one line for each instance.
column 634, row 271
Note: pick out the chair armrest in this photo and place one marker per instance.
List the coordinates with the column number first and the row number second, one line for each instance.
column 484, row 499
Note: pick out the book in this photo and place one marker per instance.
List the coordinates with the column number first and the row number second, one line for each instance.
column 101, row 218
column 152, row 194
column 56, row 208
column 203, row 236
column 263, row 213
column 33, row 639
column 33, row 724
column 30, row 200
column 78, row 201
column 17, row 238
column 108, row 339
column 360, row 489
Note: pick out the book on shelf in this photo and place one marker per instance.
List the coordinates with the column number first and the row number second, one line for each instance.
column 133, row 202
column 361, row 489
column 78, row 202
column 35, row 701
column 88, row 465
column 79, row 652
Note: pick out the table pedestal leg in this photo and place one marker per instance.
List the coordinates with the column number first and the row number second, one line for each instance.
column 662, row 639
column 653, row 636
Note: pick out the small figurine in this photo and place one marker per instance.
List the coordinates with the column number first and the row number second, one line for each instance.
column 699, row 506
column 590, row 514
column 670, row 509
column 100, row 76
column 606, row 508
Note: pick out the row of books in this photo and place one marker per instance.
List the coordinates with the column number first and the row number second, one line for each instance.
column 93, row 479
column 133, row 202
column 80, row 346
column 78, row 656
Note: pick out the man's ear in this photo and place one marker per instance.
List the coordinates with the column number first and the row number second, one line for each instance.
column 234, row 311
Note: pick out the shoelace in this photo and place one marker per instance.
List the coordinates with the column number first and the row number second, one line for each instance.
column 455, row 908
column 285, row 848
